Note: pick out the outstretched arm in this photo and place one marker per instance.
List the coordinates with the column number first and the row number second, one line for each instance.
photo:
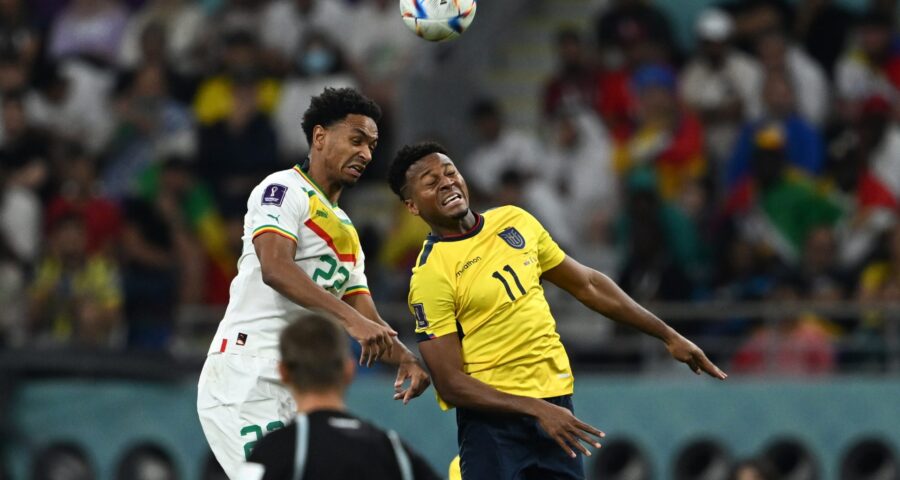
column 599, row 293
column 443, row 355
column 408, row 364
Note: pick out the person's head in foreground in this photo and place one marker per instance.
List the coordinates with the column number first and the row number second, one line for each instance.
column 428, row 182
column 315, row 361
column 752, row 470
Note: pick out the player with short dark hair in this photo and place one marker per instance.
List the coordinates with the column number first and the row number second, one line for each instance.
column 317, row 368
column 301, row 252
column 486, row 332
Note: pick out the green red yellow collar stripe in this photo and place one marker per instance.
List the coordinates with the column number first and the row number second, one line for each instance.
column 356, row 290
column 276, row 230
column 314, row 185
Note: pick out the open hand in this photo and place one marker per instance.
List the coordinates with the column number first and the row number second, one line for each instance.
column 568, row 431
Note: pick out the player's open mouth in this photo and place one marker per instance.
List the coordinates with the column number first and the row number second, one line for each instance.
column 453, row 198
column 356, row 170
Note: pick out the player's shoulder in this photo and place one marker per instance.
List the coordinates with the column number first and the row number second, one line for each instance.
column 506, row 213
column 428, row 262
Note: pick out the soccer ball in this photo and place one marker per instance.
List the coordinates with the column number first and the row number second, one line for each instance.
column 438, row 20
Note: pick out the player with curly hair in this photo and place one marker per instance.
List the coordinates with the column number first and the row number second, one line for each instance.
column 301, row 252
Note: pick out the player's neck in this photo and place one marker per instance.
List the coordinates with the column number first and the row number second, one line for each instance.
column 331, row 189
column 311, row 402
column 455, row 226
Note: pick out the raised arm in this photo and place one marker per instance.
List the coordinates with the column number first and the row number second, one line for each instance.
column 599, row 293
column 276, row 259
column 443, row 355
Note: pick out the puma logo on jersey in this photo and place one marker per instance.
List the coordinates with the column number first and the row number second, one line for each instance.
column 321, row 213
column 273, row 217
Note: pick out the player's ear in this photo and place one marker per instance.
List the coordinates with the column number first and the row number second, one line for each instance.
column 411, row 207
column 283, row 373
column 318, row 137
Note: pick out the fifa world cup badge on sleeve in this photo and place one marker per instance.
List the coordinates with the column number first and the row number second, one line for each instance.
column 419, row 311
column 513, row 238
column 274, row 194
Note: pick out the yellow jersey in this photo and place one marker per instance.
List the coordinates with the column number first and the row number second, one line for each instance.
column 485, row 286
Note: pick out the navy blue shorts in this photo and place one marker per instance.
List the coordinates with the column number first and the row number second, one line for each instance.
column 495, row 446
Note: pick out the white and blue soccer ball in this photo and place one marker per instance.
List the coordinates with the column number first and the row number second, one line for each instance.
column 438, row 20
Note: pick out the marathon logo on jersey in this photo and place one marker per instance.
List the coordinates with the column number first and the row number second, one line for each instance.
column 274, row 194
column 241, row 339
column 419, row 312
column 513, row 238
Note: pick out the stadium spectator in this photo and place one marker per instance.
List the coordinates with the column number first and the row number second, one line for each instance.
column 213, row 254
column 779, row 55
column 871, row 67
column 774, row 208
column 720, row 83
column 822, row 277
column 580, row 144
column 284, row 23
column 152, row 45
column 667, row 139
column 91, row 28
column 318, row 63
column 180, row 26
column 632, row 32
column 499, row 149
column 804, row 144
column 80, row 193
column 659, row 244
column 150, row 124
column 577, row 81
column 20, row 241
column 862, row 162
column 823, row 27
column 236, row 152
column 880, row 280
column 19, row 36
column 20, row 142
column 788, row 344
column 154, row 246
column 75, row 298
column 217, row 96
column 317, row 368
column 72, row 102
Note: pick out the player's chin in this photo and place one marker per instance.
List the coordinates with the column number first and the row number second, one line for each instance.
column 458, row 211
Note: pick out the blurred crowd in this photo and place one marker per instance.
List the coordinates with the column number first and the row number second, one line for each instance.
column 763, row 163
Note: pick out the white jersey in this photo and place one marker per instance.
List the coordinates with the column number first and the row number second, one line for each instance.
column 290, row 204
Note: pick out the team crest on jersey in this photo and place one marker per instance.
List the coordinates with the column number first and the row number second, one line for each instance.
column 419, row 312
column 274, row 194
column 513, row 238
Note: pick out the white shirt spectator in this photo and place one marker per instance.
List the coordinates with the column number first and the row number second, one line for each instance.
column 512, row 150
column 857, row 80
column 83, row 114
column 183, row 22
column 703, row 87
column 283, row 25
column 296, row 95
column 810, row 86
column 376, row 43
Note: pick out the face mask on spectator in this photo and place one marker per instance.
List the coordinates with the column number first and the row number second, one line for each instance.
column 317, row 61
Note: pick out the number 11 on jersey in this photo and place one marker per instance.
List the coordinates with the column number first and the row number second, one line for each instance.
column 515, row 278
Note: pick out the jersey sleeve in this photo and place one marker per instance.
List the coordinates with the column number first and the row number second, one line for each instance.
column 549, row 253
column 274, row 207
column 432, row 304
column 357, row 284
